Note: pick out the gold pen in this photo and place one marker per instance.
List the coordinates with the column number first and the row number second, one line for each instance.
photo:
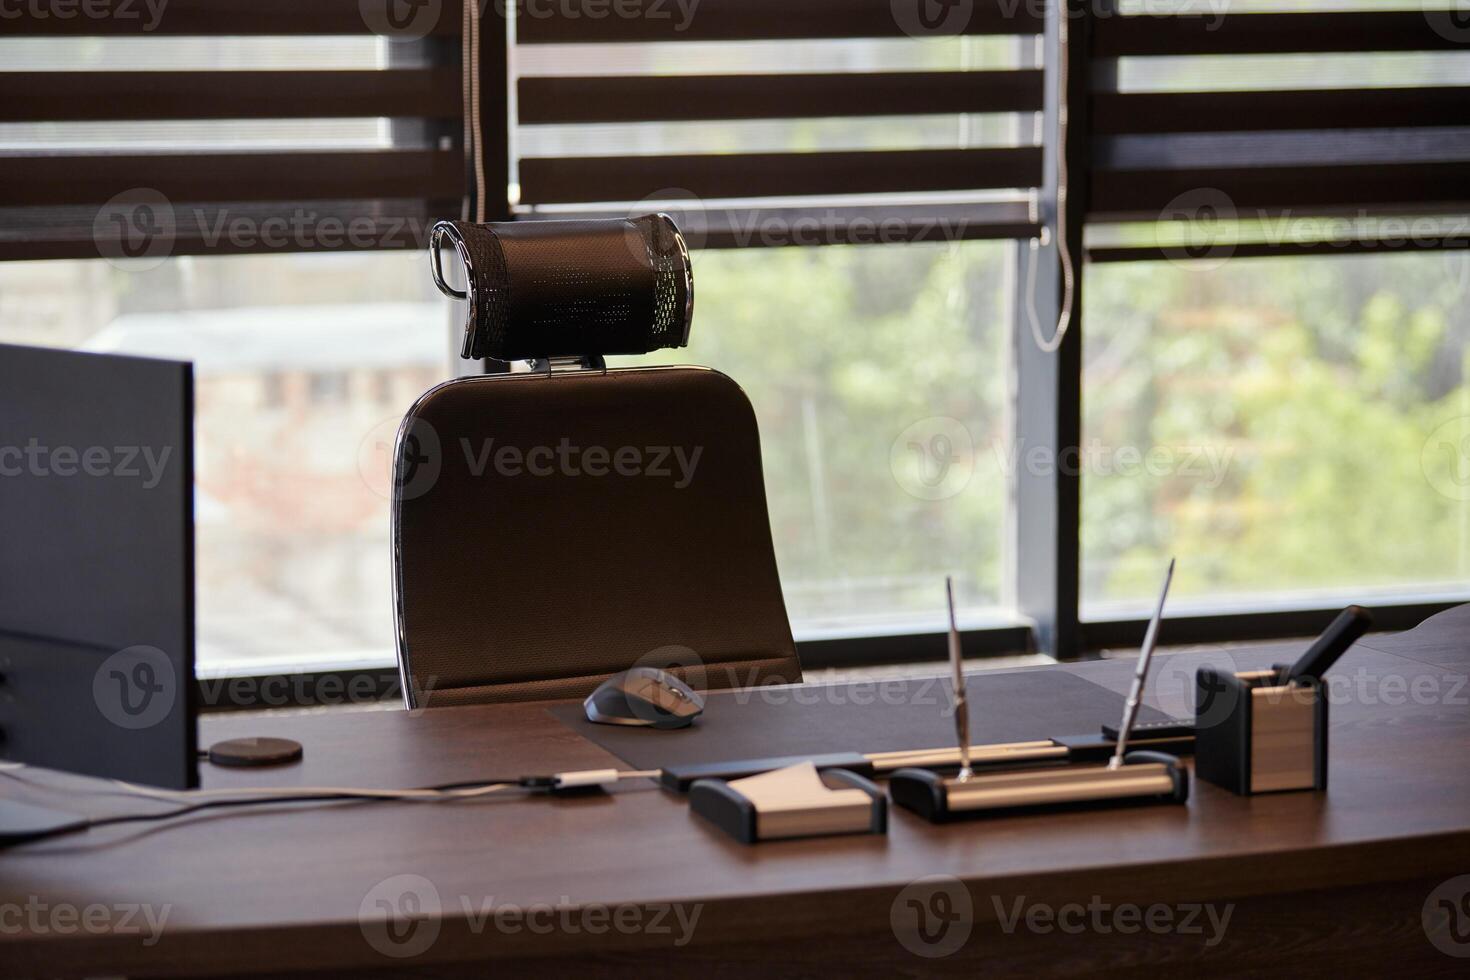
column 961, row 702
column 1140, row 673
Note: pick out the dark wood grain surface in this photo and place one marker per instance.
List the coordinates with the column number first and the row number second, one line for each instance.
column 1341, row 876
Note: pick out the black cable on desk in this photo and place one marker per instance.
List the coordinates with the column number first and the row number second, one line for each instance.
column 286, row 798
column 547, row 783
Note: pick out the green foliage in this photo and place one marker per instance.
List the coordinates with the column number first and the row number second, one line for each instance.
column 1323, row 378
column 1280, row 409
column 841, row 349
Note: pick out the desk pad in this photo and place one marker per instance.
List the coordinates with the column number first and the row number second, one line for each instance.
column 871, row 716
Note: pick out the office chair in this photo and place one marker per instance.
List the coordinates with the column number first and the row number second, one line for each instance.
column 555, row 526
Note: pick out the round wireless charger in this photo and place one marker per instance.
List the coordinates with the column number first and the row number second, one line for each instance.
column 257, row 751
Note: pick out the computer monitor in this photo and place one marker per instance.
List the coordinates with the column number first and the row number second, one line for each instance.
column 97, row 565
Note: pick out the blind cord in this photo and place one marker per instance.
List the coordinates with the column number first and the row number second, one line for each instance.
column 1064, row 253
column 473, row 132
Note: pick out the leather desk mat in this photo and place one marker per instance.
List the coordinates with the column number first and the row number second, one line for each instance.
column 867, row 716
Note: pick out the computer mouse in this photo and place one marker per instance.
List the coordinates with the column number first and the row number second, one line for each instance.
column 644, row 696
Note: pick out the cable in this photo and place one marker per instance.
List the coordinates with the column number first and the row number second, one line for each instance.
column 304, row 792
column 560, row 780
column 473, row 126
column 196, row 800
column 1064, row 253
column 263, row 800
column 199, row 794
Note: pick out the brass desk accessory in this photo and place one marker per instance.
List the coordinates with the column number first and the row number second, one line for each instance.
column 1265, row 731
column 1128, row 778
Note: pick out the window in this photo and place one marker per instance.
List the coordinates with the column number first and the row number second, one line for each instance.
column 1254, row 330
column 291, row 461
column 1294, row 428
column 879, row 380
column 1275, row 320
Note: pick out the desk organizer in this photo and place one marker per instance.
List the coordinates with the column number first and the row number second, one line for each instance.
column 1144, row 777
column 797, row 801
column 1254, row 734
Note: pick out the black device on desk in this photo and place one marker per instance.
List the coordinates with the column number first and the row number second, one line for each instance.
column 97, row 565
column 97, row 574
column 644, row 697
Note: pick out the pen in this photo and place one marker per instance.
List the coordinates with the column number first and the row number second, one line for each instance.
column 1140, row 674
column 961, row 704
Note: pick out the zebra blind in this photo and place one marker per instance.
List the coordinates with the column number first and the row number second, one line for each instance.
column 228, row 126
column 748, row 117
column 1253, row 113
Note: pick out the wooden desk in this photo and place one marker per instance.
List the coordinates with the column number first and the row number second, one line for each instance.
column 1312, row 882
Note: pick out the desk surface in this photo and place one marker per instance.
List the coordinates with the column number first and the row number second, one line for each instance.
column 282, row 888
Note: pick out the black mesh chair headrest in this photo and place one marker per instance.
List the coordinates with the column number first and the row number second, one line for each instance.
column 542, row 289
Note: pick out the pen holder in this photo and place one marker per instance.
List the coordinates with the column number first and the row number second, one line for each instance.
column 852, row 805
column 1254, row 734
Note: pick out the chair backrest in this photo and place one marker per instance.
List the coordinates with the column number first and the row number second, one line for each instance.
column 552, row 529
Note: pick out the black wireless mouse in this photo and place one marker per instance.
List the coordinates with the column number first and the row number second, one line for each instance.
column 644, row 696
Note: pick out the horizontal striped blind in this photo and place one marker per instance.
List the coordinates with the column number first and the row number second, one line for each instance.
column 232, row 125
column 1344, row 110
column 799, row 119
